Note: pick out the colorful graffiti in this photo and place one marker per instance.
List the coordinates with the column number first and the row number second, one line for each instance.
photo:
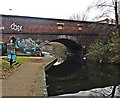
column 28, row 46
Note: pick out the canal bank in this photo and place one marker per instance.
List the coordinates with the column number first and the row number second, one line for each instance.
column 24, row 81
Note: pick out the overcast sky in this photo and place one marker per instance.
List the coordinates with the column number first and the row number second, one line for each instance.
column 61, row 9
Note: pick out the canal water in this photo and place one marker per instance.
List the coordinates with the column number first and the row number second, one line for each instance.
column 89, row 76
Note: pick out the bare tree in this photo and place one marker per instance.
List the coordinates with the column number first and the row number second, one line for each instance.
column 118, row 12
column 81, row 16
column 104, row 7
column 78, row 16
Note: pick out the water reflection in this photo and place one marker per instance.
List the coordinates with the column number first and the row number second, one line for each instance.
column 91, row 76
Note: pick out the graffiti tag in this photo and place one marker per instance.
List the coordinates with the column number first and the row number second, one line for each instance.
column 16, row 27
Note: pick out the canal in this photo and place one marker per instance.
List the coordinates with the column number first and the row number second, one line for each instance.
column 76, row 76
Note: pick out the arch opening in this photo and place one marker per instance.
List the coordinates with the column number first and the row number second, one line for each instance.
column 72, row 46
column 59, row 51
column 73, row 60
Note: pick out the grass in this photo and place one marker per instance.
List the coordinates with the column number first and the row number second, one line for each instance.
column 21, row 60
column 6, row 64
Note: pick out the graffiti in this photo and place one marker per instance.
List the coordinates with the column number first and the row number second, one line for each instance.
column 31, row 47
column 26, row 44
column 16, row 27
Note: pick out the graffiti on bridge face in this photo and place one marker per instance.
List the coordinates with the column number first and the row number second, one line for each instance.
column 28, row 46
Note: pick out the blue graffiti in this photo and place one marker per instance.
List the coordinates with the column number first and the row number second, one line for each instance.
column 27, row 46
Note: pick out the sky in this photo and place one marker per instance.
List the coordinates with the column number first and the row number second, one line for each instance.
column 60, row 9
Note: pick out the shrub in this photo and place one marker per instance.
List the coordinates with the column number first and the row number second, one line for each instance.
column 109, row 51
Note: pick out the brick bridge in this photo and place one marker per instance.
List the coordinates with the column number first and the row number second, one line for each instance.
column 73, row 34
column 80, row 32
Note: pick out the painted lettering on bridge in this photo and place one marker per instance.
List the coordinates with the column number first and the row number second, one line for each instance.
column 16, row 27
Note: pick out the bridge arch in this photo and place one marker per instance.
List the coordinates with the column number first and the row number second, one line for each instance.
column 71, row 64
column 70, row 43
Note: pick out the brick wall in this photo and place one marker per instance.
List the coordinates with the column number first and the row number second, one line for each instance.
column 31, row 26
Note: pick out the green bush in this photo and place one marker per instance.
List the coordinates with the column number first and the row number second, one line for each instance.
column 109, row 52
column 95, row 51
column 21, row 59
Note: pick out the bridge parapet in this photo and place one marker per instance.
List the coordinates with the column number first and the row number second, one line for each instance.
column 47, row 29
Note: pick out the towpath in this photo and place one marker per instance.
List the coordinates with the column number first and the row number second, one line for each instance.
column 27, row 80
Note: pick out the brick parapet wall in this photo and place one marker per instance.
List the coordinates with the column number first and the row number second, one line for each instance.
column 29, row 26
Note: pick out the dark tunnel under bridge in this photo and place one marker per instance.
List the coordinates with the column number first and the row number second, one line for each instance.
column 71, row 64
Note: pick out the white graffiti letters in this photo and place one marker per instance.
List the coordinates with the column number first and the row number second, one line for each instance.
column 16, row 27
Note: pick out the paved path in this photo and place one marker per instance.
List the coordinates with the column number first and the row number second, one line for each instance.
column 24, row 81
